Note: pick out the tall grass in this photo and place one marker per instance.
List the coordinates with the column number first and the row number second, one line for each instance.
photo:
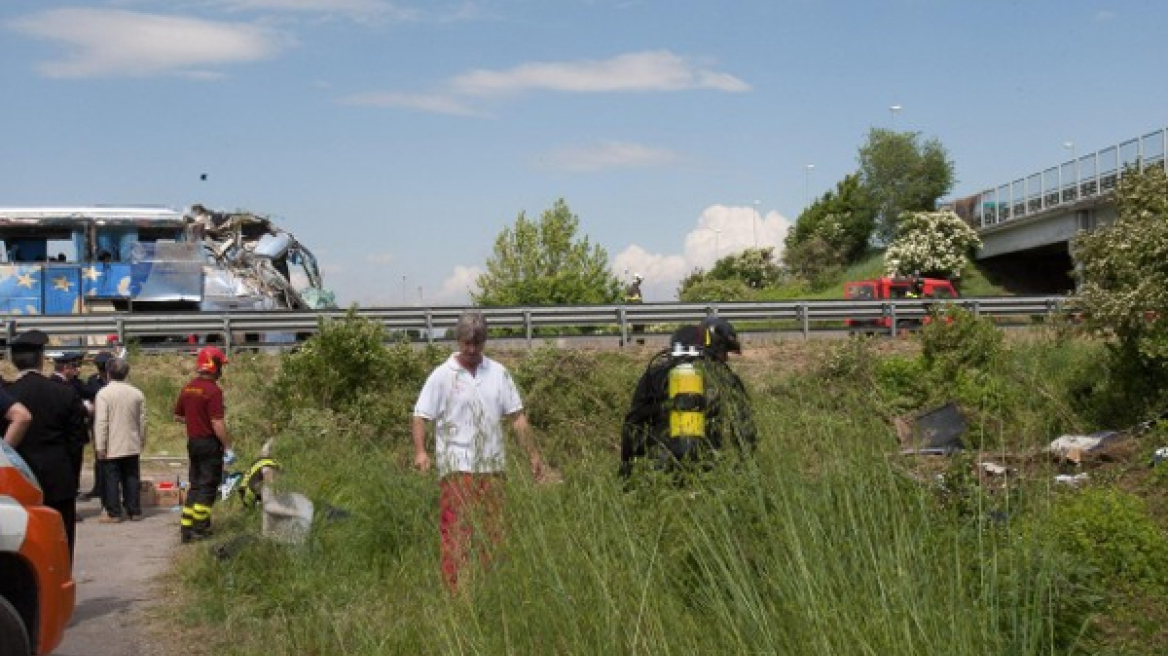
column 822, row 544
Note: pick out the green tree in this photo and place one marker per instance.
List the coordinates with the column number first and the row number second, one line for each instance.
column 902, row 173
column 735, row 277
column 1122, row 270
column 842, row 219
column 544, row 263
column 814, row 260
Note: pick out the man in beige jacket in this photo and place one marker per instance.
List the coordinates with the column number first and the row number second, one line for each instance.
column 119, row 434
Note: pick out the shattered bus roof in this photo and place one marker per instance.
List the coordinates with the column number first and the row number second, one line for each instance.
column 53, row 216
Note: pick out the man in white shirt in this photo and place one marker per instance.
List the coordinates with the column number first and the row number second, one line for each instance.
column 466, row 398
column 119, row 434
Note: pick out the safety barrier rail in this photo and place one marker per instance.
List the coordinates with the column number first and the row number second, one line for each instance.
column 1084, row 178
column 287, row 329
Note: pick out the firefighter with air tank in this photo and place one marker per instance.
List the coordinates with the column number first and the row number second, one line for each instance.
column 688, row 404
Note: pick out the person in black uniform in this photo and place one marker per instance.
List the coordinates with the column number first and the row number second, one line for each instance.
column 58, row 425
column 67, row 371
column 676, row 429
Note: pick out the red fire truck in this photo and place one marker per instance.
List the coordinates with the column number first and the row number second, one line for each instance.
column 891, row 289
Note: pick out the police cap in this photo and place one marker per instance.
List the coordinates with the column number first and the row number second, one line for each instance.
column 68, row 357
column 30, row 340
column 103, row 358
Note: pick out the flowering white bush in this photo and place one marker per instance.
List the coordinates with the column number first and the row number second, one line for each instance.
column 932, row 243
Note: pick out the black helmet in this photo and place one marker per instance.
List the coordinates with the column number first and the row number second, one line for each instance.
column 718, row 336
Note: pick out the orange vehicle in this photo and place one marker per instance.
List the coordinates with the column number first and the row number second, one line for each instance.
column 891, row 289
column 37, row 592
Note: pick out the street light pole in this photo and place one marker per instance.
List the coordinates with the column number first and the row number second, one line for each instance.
column 806, row 184
column 403, row 289
column 754, row 223
column 1070, row 145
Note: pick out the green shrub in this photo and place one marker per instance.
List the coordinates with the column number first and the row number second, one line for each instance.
column 1110, row 531
column 957, row 339
column 347, row 368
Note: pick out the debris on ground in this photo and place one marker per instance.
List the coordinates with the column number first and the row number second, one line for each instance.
column 1072, row 480
column 935, row 432
column 1073, row 447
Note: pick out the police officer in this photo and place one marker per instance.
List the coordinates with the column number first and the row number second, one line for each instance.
column 688, row 404
column 200, row 407
column 57, row 431
column 67, row 371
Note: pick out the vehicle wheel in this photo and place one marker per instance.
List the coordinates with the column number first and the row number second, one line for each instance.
column 13, row 636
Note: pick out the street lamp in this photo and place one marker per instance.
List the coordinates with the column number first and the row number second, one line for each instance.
column 806, row 183
column 403, row 289
column 754, row 223
column 1070, row 145
column 893, row 110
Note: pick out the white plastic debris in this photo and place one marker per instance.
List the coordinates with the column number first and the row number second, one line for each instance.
column 993, row 468
column 1071, row 480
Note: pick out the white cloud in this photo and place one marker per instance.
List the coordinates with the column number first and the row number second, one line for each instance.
column 608, row 155
column 720, row 231
column 632, row 72
column 639, row 71
column 436, row 103
column 457, row 288
column 110, row 42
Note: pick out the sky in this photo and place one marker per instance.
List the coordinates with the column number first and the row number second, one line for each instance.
column 396, row 140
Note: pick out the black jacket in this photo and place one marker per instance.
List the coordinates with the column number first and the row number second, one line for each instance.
column 58, row 427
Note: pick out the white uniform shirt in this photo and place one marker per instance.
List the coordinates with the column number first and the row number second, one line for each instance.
column 467, row 412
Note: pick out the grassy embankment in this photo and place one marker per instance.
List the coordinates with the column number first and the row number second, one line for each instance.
column 827, row 543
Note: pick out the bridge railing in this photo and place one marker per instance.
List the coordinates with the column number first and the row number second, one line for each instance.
column 1083, row 178
column 282, row 330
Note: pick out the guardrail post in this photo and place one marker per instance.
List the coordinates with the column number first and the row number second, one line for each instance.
column 9, row 331
column 890, row 312
column 227, row 341
column 120, row 329
column 622, row 317
column 429, row 327
column 527, row 325
column 804, row 314
column 976, row 309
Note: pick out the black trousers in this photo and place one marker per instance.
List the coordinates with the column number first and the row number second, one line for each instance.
column 206, row 470
column 122, row 480
column 68, row 510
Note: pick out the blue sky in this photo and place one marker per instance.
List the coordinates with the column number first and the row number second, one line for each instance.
column 396, row 139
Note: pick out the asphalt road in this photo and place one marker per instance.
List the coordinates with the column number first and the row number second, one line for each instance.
column 117, row 569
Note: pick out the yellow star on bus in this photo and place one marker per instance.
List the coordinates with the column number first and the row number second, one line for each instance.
column 91, row 274
column 25, row 280
column 62, row 283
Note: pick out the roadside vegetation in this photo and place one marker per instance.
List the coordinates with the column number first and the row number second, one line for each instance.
column 829, row 542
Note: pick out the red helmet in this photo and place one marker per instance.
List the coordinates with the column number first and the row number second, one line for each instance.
column 210, row 360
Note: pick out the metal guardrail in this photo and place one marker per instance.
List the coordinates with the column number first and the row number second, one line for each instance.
column 1088, row 177
column 286, row 329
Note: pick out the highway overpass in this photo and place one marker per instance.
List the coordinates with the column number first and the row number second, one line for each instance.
column 1026, row 225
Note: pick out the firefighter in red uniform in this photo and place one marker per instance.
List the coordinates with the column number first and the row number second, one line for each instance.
column 200, row 407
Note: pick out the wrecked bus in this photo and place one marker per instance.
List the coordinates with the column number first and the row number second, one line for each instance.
column 77, row 260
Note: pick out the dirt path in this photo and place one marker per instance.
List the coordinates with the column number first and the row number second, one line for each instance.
column 117, row 569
